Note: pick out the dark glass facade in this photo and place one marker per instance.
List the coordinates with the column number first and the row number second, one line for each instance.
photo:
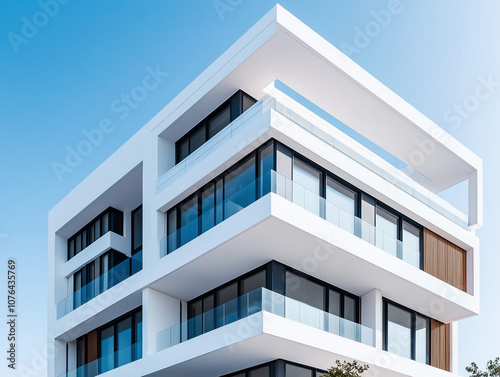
column 111, row 220
column 275, row 277
column 310, row 186
column 115, row 344
column 236, row 105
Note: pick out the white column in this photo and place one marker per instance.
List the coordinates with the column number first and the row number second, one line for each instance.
column 372, row 314
column 475, row 198
column 159, row 312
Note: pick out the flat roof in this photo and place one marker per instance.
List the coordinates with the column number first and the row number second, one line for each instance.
column 281, row 47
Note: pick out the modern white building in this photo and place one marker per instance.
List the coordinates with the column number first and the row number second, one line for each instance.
column 239, row 233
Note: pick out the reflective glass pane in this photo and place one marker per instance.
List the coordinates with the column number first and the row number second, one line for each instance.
column 80, row 352
column 209, row 314
column 421, row 336
column 207, row 208
column 97, row 229
column 411, row 244
column 78, row 244
column 334, row 302
column 196, row 139
column 183, row 149
column 306, row 291
column 247, row 102
column 189, row 220
column 105, row 223
column 172, row 239
column 350, row 308
column 71, row 248
column 387, row 231
column 195, row 322
column 340, row 205
column 253, row 282
column 398, row 331
column 124, row 341
column 138, row 335
column 219, row 121
column 107, row 349
column 219, row 207
column 306, row 186
column 239, row 188
column 137, row 229
column 266, row 164
column 259, row 372
column 296, row 371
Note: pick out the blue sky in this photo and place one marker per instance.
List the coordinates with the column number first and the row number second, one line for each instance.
column 62, row 77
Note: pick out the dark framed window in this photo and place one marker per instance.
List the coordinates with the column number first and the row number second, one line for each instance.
column 398, row 235
column 279, row 368
column 406, row 332
column 221, row 198
column 137, row 229
column 109, row 220
column 236, row 105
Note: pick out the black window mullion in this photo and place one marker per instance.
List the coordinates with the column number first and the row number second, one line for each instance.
column 413, row 335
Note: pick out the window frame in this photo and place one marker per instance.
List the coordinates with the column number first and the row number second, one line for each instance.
column 386, row 302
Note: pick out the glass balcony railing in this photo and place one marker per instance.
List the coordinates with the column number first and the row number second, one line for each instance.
column 300, row 195
column 100, row 284
column 263, row 300
column 108, row 362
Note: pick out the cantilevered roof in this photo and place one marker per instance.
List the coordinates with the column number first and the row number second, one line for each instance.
column 281, row 47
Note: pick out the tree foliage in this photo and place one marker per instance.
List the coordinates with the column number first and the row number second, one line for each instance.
column 492, row 369
column 346, row 369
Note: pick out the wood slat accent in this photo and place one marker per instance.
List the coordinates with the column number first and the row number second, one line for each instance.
column 440, row 345
column 445, row 260
column 92, row 346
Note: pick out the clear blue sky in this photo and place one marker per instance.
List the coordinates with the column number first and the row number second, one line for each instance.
column 61, row 77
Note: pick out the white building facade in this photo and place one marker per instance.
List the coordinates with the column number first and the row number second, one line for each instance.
column 238, row 233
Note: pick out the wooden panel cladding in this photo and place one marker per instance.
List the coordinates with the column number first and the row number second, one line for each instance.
column 440, row 345
column 91, row 346
column 445, row 260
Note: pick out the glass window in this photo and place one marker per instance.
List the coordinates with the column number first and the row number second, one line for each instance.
column 266, row 164
column 259, row 372
column 188, row 220
column 421, row 339
column 387, row 231
column 209, row 315
column 97, row 229
column 398, row 331
column 107, row 348
column 411, row 244
column 350, row 308
column 334, row 303
column 105, row 223
column 239, row 187
column 71, row 248
column 253, row 282
column 219, row 121
column 77, row 286
column 138, row 335
column 340, row 205
column 80, row 352
column 227, row 296
column 197, row 138
column 84, row 239
column 207, row 208
column 195, row 324
column 137, row 230
column 124, row 341
column 296, row 371
column 172, row 238
column 306, row 186
column 183, row 149
column 91, row 233
column 247, row 102
column 219, row 205
column 78, row 244
column 303, row 290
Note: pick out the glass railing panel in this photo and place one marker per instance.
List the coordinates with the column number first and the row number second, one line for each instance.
column 107, row 362
column 263, row 300
column 100, row 284
column 307, row 199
